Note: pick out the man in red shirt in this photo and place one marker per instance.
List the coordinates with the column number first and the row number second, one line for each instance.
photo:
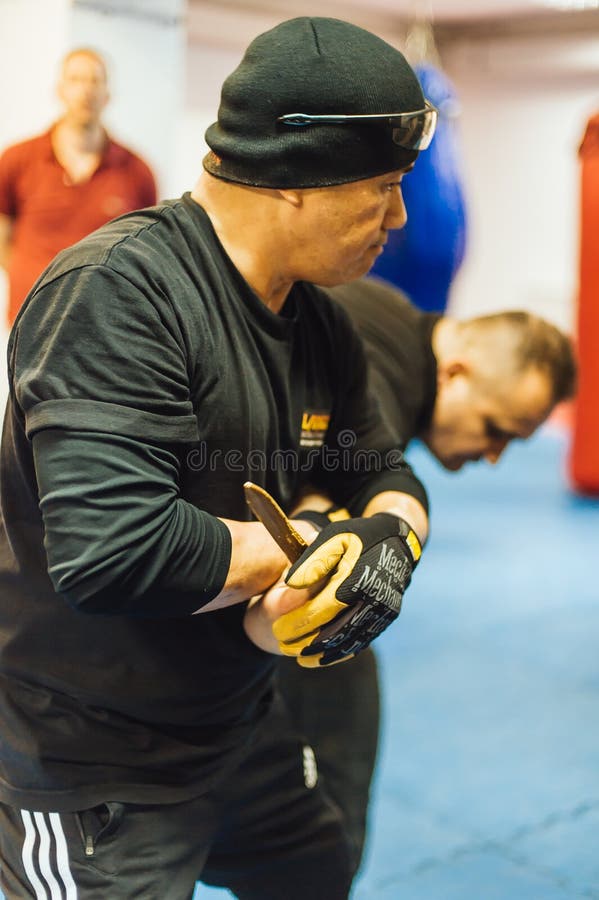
column 61, row 185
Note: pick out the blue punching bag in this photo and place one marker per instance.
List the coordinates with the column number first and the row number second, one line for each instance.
column 423, row 258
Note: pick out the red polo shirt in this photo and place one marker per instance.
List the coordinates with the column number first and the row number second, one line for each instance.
column 49, row 212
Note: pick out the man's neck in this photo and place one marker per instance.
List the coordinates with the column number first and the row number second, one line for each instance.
column 74, row 137
column 78, row 149
column 244, row 224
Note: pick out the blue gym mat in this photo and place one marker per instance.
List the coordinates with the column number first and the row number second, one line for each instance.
column 488, row 779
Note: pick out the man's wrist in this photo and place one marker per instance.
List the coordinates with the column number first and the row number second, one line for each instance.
column 316, row 518
column 404, row 507
column 306, row 526
column 406, row 532
column 321, row 518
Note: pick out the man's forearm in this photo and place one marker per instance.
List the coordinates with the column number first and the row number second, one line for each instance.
column 257, row 562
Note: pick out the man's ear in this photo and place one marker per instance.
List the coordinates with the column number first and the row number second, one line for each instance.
column 449, row 369
column 291, row 195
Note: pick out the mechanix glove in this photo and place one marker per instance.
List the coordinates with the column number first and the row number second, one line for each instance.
column 369, row 564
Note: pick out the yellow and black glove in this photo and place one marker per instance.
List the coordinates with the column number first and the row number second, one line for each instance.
column 369, row 564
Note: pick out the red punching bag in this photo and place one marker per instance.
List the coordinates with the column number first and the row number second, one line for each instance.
column 584, row 458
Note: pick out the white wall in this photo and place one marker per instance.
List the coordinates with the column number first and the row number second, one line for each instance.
column 207, row 67
column 144, row 43
column 29, row 58
column 525, row 105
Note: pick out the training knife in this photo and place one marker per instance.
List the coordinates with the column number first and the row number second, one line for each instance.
column 268, row 511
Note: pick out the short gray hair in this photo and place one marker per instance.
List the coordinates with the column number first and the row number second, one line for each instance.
column 536, row 344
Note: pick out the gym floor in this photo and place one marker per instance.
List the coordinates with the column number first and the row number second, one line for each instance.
column 488, row 782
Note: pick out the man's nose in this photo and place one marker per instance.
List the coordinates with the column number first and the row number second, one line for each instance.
column 396, row 215
column 494, row 453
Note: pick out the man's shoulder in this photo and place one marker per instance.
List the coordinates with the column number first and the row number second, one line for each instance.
column 145, row 247
column 28, row 148
column 120, row 154
column 123, row 240
column 130, row 264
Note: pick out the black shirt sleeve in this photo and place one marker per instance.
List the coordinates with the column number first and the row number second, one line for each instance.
column 102, row 383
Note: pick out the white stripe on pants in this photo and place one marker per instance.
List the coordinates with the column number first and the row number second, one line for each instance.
column 41, row 847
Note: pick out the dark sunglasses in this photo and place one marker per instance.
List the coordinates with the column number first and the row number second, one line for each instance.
column 410, row 130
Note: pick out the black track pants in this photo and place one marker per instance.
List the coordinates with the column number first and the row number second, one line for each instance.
column 267, row 834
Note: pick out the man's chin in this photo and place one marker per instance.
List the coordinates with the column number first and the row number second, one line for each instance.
column 455, row 463
column 452, row 465
column 336, row 279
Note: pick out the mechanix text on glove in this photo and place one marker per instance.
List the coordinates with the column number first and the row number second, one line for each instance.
column 370, row 563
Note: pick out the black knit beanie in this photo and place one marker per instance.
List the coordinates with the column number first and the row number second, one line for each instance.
column 314, row 66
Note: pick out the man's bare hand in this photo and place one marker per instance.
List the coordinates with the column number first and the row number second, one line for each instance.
column 263, row 611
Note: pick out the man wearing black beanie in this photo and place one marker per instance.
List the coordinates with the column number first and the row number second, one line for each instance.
column 155, row 367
